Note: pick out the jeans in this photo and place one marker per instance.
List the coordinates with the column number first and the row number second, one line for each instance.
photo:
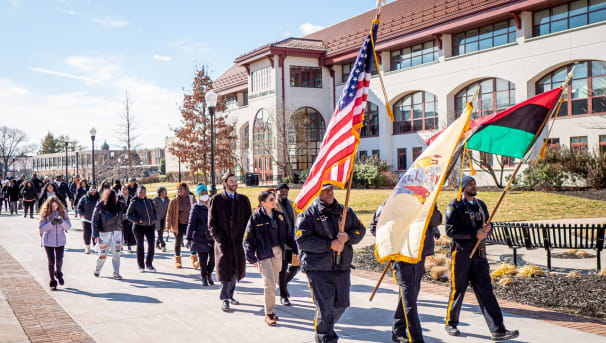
column 228, row 288
column 55, row 260
column 109, row 240
column 149, row 233
column 28, row 205
column 88, row 232
column 14, row 207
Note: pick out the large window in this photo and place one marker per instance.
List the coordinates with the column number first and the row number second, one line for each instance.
column 587, row 91
column 602, row 144
column 416, row 112
column 371, row 121
column 310, row 77
column 402, row 159
column 416, row 152
column 261, row 80
column 484, row 37
column 495, row 95
column 578, row 144
column 345, row 70
column 245, row 98
column 414, row 55
column 262, row 146
column 305, row 134
column 568, row 16
column 231, row 101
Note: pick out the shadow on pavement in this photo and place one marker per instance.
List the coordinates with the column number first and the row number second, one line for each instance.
column 114, row 296
column 163, row 283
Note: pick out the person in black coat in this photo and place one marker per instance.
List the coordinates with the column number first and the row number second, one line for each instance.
column 49, row 190
column 407, row 326
column 265, row 240
column 63, row 188
column 132, row 189
column 319, row 240
column 80, row 192
column 198, row 237
column 128, row 237
column 30, row 196
column 12, row 193
column 85, row 209
column 142, row 213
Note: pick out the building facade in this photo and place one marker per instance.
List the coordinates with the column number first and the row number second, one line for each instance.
column 433, row 56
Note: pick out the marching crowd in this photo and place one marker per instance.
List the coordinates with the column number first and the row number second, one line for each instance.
column 222, row 233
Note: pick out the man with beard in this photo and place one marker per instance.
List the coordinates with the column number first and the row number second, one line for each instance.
column 228, row 216
column 85, row 209
column 466, row 224
column 319, row 241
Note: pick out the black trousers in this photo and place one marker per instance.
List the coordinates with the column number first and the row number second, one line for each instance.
column 87, row 232
column 228, row 288
column 28, row 205
column 475, row 270
column 330, row 294
column 161, row 227
column 406, row 318
column 207, row 263
column 149, row 233
column 55, row 260
column 286, row 274
column 179, row 238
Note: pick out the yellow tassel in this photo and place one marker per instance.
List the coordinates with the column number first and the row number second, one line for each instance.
column 460, row 192
column 543, row 149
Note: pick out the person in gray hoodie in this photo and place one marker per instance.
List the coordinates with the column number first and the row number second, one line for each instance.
column 54, row 223
column 161, row 202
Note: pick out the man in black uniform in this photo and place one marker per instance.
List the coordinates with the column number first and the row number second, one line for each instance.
column 319, row 239
column 406, row 324
column 466, row 224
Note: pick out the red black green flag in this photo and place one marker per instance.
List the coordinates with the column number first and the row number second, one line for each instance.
column 512, row 131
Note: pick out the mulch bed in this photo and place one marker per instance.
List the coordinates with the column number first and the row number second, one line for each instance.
column 592, row 194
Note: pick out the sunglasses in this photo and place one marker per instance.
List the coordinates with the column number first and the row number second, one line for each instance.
column 271, row 199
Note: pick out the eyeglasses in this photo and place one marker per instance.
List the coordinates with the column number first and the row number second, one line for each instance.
column 271, row 199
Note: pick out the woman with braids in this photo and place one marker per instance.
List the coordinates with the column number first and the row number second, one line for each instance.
column 54, row 223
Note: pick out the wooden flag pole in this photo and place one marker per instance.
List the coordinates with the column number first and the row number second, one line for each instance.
column 344, row 216
column 372, row 295
column 554, row 109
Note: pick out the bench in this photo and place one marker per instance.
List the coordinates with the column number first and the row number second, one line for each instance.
column 548, row 236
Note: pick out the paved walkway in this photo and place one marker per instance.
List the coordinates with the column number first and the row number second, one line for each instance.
column 171, row 305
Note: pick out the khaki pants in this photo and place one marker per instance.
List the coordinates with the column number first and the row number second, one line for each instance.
column 270, row 270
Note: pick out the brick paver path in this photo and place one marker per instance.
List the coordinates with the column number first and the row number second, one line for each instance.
column 42, row 319
column 552, row 316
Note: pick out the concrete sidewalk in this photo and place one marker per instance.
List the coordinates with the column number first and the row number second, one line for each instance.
column 171, row 305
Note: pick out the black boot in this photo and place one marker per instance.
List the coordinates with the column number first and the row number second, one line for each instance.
column 59, row 277
column 210, row 279
column 505, row 335
column 204, row 281
column 53, row 285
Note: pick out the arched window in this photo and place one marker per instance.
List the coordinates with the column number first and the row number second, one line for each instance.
column 262, row 146
column 305, row 134
column 495, row 95
column 416, row 112
column 587, row 91
column 371, row 121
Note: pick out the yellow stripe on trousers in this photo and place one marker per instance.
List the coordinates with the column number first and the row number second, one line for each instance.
column 403, row 307
column 317, row 308
column 452, row 282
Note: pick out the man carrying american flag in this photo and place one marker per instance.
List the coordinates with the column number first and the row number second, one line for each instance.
column 325, row 232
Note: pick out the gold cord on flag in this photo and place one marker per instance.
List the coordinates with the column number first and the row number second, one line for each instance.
column 374, row 52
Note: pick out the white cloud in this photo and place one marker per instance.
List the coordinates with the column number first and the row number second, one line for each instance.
column 111, row 23
column 162, row 58
column 288, row 34
column 62, row 74
column 308, row 28
column 68, row 11
column 98, row 68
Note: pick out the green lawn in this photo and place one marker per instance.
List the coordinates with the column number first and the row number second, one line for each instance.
column 515, row 206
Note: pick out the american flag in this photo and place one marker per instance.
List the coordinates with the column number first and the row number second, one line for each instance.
column 335, row 159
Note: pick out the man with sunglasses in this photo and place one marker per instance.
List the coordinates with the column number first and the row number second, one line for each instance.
column 466, row 224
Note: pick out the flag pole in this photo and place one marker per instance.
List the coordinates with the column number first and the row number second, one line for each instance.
column 554, row 109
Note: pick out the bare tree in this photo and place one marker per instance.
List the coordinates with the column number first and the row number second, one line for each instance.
column 12, row 144
column 126, row 129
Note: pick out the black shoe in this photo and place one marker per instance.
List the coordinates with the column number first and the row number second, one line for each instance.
column 505, row 335
column 225, row 306
column 204, row 281
column 452, row 330
column 210, row 280
column 234, row 301
column 59, row 277
column 285, row 301
column 53, row 285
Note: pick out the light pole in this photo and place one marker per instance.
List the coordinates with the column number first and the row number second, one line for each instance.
column 93, row 133
column 14, row 172
column 211, row 102
column 66, row 145
column 179, row 168
column 77, row 163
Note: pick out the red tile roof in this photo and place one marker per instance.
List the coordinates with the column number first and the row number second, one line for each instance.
column 234, row 76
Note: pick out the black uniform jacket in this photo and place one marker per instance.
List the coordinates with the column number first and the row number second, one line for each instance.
column 316, row 227
column 141, row 210
column 257, row 238
column 459, row 225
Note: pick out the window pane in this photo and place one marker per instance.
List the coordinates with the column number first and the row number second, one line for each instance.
column 512, row 96
column 500, row 40
column 502, row 85
column 559, row 25
column 486, row 32
column 598, row 68
column 417, row 98
column 471, row 47
column 595, row 17
column 487, row 43
column 459, row 104
column 578, row 20
column 541, row 17
column 486, row 86
column 500, row 28
column 429, row 106
column 579, row 89
column 559, row 12
column 579, row 107
column 599, row 105
column 559, row 75
column 417, row 111
column 580, row 70
column 487, row 104
column 598, row 85
column 428, row 58
column 406, row 112
column 428, row 47
column 597, row 4
column 502, row 99
column 417, row 60
column 577, row 7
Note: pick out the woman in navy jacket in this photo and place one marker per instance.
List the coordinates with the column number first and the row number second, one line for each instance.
column 198, row 237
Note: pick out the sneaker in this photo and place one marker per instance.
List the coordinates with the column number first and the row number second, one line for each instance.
column 96, row 273
column 130, row 250
column 398, row 339
column 151, row 269
column 234, row 301
column 452, row 330
column 210, row 280
column 285, row 301
column 225, row 306
column 505, row 335
column 141, row 270
column 269, row 320
column 163, row 249
column 117, row 276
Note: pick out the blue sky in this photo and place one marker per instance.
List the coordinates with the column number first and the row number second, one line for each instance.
column 65, row 65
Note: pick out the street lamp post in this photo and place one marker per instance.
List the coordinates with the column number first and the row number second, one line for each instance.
column 77, row 163
column 14, row 170
column 93, row 133
column 66, row 145
column 211, row 102
column 179, row 168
